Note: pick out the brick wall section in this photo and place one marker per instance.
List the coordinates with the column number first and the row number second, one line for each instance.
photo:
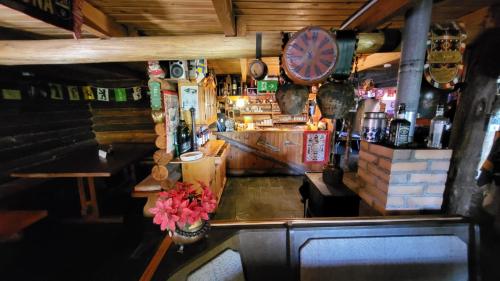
column 402, row 179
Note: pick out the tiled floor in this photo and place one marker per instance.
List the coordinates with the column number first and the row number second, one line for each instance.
column 256, row 198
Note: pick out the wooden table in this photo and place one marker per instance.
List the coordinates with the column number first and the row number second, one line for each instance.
column 85, row 165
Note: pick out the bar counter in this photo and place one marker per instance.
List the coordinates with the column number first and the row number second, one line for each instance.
column 267, row 151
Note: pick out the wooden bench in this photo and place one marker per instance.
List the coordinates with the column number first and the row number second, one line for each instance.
column 13, row 222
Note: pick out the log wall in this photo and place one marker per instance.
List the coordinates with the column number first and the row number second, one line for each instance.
column 32, row 132
column 122, row 122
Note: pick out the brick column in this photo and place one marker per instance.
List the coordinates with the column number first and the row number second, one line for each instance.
column 401, row 180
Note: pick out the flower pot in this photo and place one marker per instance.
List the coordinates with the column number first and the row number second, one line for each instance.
column 189, row 233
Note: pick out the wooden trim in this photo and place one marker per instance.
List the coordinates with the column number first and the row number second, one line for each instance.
column 155, row 261
column 375, row 13
column 224, row 10
column 99, row 24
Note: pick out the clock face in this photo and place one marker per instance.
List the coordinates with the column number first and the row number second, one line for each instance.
column 310, row 56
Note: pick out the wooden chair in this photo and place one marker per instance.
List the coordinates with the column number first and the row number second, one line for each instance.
column 12, row 223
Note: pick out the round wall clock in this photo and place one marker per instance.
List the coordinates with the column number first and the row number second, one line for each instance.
column 310, row 55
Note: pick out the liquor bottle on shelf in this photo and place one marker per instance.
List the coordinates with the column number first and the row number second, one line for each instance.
column 183, row 136
column 438, row 126
column 400, row 128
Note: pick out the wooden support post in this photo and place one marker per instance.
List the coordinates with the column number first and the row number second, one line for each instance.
column 462, row 193
column 244, row 70
column 88, row 199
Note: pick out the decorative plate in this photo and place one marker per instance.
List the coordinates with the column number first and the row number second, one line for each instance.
column 310, row 55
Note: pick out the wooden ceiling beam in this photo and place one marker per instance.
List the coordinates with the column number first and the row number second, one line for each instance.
column 224, row 10
column 375, row 13
column 99, row 24
column 130, row 49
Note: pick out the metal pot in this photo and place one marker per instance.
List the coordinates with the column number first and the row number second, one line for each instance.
column 374, row 124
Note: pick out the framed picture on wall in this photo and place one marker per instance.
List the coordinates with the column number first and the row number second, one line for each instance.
column 316, row 147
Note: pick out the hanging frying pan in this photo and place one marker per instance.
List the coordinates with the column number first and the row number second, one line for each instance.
column 310, row 55
column 258, row 69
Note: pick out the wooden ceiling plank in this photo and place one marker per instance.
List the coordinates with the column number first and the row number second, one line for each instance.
column 375, row 13
column 224, row 10
column 296, row 12
column 99, row 24
column 372, row 60
column 292, row 5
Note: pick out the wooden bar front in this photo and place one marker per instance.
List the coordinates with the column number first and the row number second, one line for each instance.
column 266, row 152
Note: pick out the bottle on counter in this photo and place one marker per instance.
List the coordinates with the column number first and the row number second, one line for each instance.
column 400, row 128
column 437, row 129
column 183, row 137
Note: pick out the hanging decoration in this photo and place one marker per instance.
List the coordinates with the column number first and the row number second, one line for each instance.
column 292, row 98
column 136, row 93
column 316, row 148
column 335, row 99
column 71, row 93
column 155, row 94
column 445, row 49
column 87, row 93
column 347, row 41
column 56, row 92
column 102, row 94
column 11, row 94
column 120, row 95
column 310, row 55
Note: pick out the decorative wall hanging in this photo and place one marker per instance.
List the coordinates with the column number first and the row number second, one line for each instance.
column 445, row 49
column 73, row 93
column 102, row 94
column 316, row 147
column 346, row 42
column 310, row 55
column 292, row 98
column 155, row 94
column 335, row 99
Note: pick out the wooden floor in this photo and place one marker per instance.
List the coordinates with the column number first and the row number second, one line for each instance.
column 247, row 198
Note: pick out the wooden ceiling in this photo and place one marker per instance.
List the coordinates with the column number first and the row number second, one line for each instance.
column 194, row 17
column 163, row 17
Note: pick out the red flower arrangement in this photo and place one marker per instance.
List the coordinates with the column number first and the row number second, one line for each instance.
column 183, row 205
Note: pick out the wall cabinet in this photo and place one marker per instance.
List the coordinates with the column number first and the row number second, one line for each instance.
column 202, row 99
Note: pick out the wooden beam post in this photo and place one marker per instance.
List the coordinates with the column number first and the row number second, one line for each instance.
column 244, row 70
column 99, row 24
column 375, row 13
column 224, row 10
column 463, row 196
